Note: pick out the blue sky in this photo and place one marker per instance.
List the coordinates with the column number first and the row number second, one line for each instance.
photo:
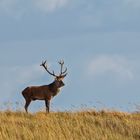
column 99, row 41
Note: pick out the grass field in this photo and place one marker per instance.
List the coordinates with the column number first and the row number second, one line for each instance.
column 84, row 125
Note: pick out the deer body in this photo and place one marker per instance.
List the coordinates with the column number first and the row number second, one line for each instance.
column 45, row 92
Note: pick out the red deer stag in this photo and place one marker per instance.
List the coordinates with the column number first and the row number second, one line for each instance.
column 45, row 92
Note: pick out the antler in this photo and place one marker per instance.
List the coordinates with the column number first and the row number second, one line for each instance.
column 62, row 73
column 45, row 66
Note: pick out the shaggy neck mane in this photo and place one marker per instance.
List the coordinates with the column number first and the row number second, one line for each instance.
column 53, row 88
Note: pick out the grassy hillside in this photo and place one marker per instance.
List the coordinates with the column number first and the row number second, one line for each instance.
column 86, row 125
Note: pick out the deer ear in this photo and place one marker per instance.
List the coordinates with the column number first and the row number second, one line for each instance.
column 63, row 76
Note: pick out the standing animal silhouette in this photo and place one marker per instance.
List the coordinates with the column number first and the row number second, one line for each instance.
column 45, row 92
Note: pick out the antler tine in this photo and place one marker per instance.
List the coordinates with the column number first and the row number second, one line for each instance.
column 43, row 63
column 45, row 67
column 61, row 62
column 64, row 71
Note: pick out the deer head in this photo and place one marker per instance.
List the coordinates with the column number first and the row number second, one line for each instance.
column 58, row 78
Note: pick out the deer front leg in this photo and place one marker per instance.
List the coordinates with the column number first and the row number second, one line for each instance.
column 47, row 102
column 27, row 104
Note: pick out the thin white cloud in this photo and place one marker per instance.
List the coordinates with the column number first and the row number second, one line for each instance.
column 50, row 5
column 7, row 5
column 94, row 9
column 132, row 3
column 27, row 73
column 17, row 76
column 13, row 8
column 19, row 7
column 110, row 14
column 114, row 65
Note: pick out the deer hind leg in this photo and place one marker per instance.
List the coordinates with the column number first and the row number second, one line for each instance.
column 47, row 102
column 27, row 104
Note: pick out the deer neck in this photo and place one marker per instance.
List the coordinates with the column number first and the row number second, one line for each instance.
column 54, row 89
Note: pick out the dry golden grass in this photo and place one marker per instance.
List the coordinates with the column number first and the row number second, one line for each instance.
column 84, row 125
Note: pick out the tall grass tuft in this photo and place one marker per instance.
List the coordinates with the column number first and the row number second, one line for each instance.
column 83, row 125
